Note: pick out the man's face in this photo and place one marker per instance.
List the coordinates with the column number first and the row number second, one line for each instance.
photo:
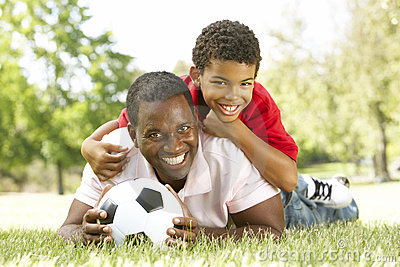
column 167, row 136
column 227, row 87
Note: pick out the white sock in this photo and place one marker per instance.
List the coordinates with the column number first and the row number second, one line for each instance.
column 311, row 185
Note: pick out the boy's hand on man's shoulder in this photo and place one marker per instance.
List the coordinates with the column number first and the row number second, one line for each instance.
column 214, row 126
column 106, row 160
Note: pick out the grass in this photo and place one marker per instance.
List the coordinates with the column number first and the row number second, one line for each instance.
column 29, row 222
column 342, row 243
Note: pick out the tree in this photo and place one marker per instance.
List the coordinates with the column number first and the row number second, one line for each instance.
column 181, row 68
column 82, row 80
column 369, row 67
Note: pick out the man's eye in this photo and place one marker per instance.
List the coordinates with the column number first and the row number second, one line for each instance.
column 155, row 135
column 183, row 129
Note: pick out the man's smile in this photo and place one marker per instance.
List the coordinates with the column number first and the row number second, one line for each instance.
column 173, row 161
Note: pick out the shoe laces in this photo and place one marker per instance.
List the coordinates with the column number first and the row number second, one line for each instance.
column 320, row 190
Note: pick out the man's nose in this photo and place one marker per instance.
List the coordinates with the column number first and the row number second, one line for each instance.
column 173, row 145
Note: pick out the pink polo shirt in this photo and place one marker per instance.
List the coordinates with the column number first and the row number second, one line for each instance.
column 221, row 179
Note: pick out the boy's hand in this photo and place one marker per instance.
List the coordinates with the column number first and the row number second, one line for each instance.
column 100, row 157
column 218, row 128
column 186, row 229
column 91, row 231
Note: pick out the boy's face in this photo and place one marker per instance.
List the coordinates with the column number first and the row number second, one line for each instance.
column 167, row 136
column 227, row 87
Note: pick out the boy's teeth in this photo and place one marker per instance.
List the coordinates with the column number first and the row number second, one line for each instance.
column 176, row 160
column 229, row 108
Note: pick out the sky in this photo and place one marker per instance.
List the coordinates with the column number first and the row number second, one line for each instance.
column 159, row 33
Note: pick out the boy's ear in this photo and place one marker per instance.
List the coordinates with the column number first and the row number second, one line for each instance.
column 195, row 75
column 132, row 133
column 196, row 114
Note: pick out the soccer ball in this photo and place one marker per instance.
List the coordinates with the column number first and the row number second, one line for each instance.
column 139, row 209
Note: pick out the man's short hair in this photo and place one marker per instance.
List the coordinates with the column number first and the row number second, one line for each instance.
column 226, row 40
column 152, row 87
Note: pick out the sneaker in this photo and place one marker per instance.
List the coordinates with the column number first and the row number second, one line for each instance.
column 329, row 193
column 341, row 178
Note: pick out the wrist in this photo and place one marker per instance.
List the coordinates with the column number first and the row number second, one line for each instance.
column 235, row 130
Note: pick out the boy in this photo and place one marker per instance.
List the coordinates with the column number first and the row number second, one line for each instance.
column 232, row 105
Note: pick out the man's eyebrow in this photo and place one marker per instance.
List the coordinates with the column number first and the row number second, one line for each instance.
column 146, row 130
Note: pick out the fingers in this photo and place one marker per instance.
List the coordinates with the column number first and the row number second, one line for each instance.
column 92, row 215
column 106, row 171
column 91, row 231
column 111, row 148
column 105, row 190
column 188, row 223
column 95, row 237
column 96, row 229
column 189, row 236
column 113, row 158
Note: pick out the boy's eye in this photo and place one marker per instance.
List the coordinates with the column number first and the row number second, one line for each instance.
column 246, row 84
column 220, row 82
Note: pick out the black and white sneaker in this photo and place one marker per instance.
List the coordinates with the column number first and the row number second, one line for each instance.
column 330, row 193
column 341, row 178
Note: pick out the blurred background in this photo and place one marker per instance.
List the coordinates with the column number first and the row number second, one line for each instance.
column 65, row 67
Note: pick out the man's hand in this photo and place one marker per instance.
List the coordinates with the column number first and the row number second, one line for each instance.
column 186, row 229
column 214, row 126
column 91, row 231
column 100, row 156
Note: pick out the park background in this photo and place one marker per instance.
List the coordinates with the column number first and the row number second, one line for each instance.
column 66, row 65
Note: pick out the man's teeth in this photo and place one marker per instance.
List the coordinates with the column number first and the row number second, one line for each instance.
column 176, row 160
column 229, row 108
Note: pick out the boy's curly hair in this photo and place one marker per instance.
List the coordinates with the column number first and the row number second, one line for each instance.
column 226, row 40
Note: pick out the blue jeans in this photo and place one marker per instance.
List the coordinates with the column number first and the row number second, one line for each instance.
column 300, row 211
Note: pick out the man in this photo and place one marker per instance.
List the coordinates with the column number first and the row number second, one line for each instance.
column 212, row 176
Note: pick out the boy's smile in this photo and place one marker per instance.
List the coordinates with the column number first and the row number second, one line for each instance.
column 227, row 87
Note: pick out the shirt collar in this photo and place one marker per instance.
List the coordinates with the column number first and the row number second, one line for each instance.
column 199, row 178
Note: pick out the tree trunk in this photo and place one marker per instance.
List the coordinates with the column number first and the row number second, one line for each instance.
column 60, row 178
column 380, row 158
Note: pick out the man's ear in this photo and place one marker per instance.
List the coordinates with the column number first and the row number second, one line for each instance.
column 132, row 133
column 195, row 75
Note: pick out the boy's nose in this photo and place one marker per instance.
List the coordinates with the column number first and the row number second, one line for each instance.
column 233, row 93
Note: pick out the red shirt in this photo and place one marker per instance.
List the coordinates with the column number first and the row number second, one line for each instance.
column 262, row 116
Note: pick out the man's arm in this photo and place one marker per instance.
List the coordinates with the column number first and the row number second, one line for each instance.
column 265, row 218
column 81, row 224
column 99, row 155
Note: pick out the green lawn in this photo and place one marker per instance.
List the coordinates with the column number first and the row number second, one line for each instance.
column 29, row 222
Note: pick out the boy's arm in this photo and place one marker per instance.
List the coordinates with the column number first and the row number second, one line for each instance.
column 100, row 155
column 274, row 166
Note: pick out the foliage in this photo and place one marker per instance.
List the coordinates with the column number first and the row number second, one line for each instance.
column 342, row 105
column 59, row 84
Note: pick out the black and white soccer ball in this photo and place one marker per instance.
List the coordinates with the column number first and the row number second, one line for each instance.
column 140, row 209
